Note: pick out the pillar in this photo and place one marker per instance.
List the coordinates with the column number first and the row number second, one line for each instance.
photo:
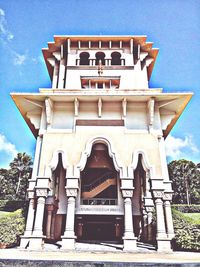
column 129, row 237
column 29, row 224
column 68, row 240
column 149, row 223
column 168, row 218
column 163, row 242
column 36, row 240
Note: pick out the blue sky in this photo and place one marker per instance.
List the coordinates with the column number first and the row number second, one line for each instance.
column 27, row 25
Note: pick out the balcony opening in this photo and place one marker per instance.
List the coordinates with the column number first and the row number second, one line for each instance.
column 84, row 58
column 100, row 56
column 115, row 58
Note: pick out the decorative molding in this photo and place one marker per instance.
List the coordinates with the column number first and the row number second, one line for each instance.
column 158, row 193
column 54, row 161
column 99, row 107
column 76, row 107
column 168, row 196
column 41, row 192
column 49, row 107
column 84, row 156
column 127, row 193
column 71, row 192
column 151, row 111
column 124, row 106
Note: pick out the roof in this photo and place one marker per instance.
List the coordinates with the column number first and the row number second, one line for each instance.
column 170, row 102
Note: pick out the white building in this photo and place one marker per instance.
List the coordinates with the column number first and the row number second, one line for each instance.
column 100, row 168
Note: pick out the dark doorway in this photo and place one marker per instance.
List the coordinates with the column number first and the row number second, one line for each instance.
column 100, row 228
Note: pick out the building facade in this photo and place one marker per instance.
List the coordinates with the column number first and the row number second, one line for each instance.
column 100, row 170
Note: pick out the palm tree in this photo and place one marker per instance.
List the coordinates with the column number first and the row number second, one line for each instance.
column 21, row 166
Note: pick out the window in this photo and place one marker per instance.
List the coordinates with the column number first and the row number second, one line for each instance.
column 100, row 56
column 115, row 58
column 84, row 58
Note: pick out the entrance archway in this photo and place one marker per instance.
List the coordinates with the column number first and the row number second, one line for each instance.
column 99, row 189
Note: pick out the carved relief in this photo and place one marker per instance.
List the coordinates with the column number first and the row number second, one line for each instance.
column 42, row 192
column 158, row 194
column 127, row 193
column 71, row 192
column 167, row 196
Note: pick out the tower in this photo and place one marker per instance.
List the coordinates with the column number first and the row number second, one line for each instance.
column 100, row 169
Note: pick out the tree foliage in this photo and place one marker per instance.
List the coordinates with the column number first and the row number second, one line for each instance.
column 14, row 181
column 185, row 177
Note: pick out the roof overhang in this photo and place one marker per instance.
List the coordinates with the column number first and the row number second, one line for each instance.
column 174, row 102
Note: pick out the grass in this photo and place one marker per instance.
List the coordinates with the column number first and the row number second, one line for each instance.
column 194, row 216
column 3, row 213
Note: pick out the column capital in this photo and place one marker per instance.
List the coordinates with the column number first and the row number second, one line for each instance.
column 127, row 193
column 71, row 192
column 31, row 193
column 41, row 192
column 158, row 194
column 167, row 196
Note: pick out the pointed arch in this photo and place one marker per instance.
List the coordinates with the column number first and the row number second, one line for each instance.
column 55, row 159
column 87, row 152
column 145, row 162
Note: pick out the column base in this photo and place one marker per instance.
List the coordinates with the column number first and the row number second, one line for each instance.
column 68, row 241
column 130, row 243
column 36, row 242
column 164, row 245
column 24, row 240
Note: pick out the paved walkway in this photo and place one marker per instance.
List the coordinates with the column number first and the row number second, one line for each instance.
column 84, row 254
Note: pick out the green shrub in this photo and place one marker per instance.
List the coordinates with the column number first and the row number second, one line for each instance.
column 11, row 227
column 187, row 208
column 187, row 234
column 12, row 205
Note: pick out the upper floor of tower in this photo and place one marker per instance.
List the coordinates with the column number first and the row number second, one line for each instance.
column 100, row 62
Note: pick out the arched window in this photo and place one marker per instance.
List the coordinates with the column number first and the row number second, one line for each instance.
column 84, row 58
column 100, row 56
column 115, row 58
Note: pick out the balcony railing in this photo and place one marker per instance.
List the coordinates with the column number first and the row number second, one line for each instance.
column 99, row 201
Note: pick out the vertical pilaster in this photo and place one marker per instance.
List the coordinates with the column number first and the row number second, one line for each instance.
column 163, row 242
column 168, row 216
column 36, row 240
column 129, row 237
column 29, row 223
column 68, row 239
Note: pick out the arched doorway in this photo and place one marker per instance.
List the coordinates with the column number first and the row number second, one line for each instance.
column 141, row 198
column 56, row 203
column 99, row 189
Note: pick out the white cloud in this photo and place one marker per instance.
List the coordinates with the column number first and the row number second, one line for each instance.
column 7, row 147
column 19, row 59
column 5, row 34
column 180, row 148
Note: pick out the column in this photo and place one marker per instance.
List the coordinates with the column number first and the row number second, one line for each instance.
column 55, row 76
column 149, row 224
column 29, row 224
column 49, row 221
column 161, row 232
column 52, row 233
column 144, row 236
column 168, row 218
column 163, row 242
column 129, row 237
column 68, row 240
column 36, row 240
column 61, row 79
column 37, row 157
